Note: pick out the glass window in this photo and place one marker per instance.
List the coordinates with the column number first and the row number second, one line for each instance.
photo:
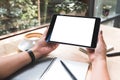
column 70, row 7
column 17, row 15
column 105, row 8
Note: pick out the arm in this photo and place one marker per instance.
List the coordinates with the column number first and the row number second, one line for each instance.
column 97, row 58
column 12, row 63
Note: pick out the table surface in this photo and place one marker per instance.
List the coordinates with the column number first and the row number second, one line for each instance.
column 111, row 37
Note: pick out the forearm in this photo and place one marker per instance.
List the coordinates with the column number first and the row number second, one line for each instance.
column 11, row 64
column 100, row 71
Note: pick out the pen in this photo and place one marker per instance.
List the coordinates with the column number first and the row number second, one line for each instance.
column 70, row 73
column 113, row 54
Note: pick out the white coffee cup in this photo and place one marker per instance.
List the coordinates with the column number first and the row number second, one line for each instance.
column 29, row 41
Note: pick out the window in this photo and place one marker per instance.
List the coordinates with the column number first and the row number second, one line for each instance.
column 17, row 15
column 105, row 8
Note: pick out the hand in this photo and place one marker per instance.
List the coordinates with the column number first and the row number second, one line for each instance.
column 98, row 61
column 42, row 47
column 99, row 53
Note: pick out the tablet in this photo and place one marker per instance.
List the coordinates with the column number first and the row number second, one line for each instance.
column 74, row 30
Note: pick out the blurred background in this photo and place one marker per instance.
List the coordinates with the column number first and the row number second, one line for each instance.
column 18, row 15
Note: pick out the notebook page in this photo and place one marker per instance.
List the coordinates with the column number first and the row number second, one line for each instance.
column 79, row 69
column 58, row 72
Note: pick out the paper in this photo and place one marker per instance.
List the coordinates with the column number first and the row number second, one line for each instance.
column 58, row 72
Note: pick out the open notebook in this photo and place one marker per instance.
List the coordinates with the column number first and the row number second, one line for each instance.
column 57, row 71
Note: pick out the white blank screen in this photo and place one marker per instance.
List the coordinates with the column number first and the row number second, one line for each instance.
column 73, row 30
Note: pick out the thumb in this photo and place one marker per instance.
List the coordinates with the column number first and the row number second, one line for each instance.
column 100, row 39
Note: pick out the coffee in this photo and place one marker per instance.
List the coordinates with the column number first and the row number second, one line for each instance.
column 33, row 36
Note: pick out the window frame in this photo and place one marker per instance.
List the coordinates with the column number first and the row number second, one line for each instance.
column 23, row 31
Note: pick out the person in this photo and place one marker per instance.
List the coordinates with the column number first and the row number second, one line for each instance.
column 97, row 58
column 98, row 61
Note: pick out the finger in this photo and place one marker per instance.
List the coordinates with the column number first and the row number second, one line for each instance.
column 101, row 39
column 45, row 33
column 53, row 44
column 90, row 50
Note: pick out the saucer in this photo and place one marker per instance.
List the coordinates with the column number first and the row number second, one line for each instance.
column 25, row 45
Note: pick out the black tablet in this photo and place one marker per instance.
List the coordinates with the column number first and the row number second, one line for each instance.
column 74, row 30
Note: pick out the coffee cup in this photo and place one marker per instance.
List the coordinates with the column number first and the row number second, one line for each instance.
column 29, row 41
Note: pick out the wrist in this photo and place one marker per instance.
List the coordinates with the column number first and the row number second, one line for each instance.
column 99, row 62
column 98, row 59
column 32, row 56
column 36, row 53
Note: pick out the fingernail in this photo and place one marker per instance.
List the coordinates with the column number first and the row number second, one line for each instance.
column 101, row 32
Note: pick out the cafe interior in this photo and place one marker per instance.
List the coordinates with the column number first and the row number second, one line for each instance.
column 24, row 21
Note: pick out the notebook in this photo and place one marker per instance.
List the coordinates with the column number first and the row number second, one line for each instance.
column 57, row 71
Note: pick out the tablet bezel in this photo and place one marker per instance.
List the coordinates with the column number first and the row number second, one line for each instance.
column 95, row 31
